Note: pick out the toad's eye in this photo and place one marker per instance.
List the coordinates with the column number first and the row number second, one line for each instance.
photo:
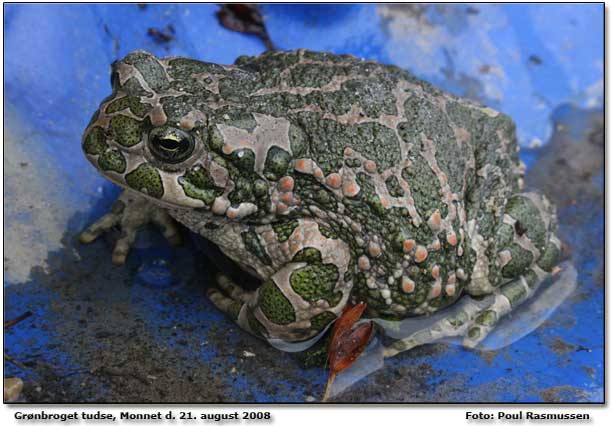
column 171, row 145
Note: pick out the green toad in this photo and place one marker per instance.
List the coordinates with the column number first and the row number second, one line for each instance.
column 332, row 179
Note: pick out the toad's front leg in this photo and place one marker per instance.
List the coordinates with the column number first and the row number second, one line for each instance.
column 130, row 213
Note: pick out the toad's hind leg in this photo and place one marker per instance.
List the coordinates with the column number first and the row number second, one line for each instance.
column 527, row 250
column 505, row 300
column 474, row 318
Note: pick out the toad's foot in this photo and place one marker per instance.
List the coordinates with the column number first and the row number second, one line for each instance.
column 474, row 318
column 130, row 213
column 229, row 297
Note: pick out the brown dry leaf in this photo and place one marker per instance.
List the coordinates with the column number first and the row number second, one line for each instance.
column 346, row 343
column 244, row 18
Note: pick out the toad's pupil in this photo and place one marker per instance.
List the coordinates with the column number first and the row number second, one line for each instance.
column 169, row 144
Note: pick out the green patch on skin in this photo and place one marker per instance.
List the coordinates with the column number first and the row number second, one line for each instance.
column 504, row 236
column 316, row 281
column 133, row 88
column 338, row 102
column 327, row 232
column 390, row 316
column 487, row 318
column 532, row 280
column 308, row 189
column 320, row 321
column 323, row 197
column 308, row 255
column 243, row 159
column 95, row 142
column 368, row 194
column 215, row 140
column 316, row 355
column 150, row 68
column 459, row 319
column 194, row 87
column 353, row 162
column 311, row 75
column 397, row 240
column 128, row 102
column 549, row 257
column 463, row 115
column 373, row 95
column 284, row 230
column 186, row 68
column 112, row 160
column 243, row 60
column 177, row 107
column 298, row 140
column 276, row 163
column 145, row 179
column 243, row 191
column 514, row 291
column 128, row 131
column 255, row 325
column 443, row 300
column 252, row 243
column 376, row 205
column 423, row 281
column 248, row 187
column 239, row 118
column 327, row 57
column 268, row 61
column 524, row 210
column 260, row 188
column 276, row 104
column 360, row 286
column 521, row 259
column 452, row 160
column 238, row 85
column 233, row 310
column 274, row 305
column 474, row 333
column 394, row 189
column 350, row 272
column 197, row 183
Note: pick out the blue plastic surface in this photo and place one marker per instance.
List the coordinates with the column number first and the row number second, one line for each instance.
column 524, row 59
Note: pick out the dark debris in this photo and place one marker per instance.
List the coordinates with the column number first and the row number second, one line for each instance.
column 245, row 18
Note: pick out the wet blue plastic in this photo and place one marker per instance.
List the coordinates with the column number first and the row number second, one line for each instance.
column 525, row 60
